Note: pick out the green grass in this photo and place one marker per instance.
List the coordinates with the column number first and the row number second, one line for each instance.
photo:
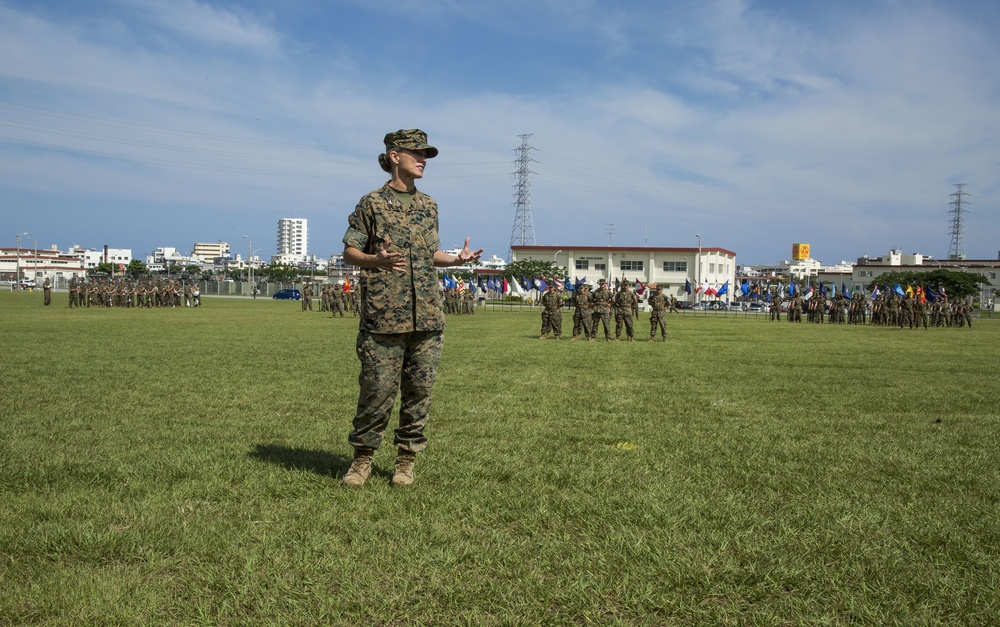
column 182, row 467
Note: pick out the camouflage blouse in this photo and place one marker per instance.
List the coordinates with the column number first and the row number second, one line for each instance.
column 391, row 301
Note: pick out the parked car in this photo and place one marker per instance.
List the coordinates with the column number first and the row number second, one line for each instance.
column 26, row 283
column 683, row 304
column 734, row 306
column 758, row 307
column 287, row 294
column 715, row 304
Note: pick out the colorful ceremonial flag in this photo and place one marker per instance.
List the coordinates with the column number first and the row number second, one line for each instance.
column 687, row 286
column 541, row 285
column 639, row 287
column 875, row 292
column 724, row 289
column 347, row 284
column 569, row 285
column 899, row 290
column 909, row 291
column 745, row 287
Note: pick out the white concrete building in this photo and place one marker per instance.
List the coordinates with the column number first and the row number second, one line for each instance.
column 208, row 251
column 41, row 264
column 670, row 268
column 293, row 241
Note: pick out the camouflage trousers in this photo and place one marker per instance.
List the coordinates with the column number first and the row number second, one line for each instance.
column 656, row 322
column 599, row 318
column 552, row 321
column 395, row 362
column 586, row 322
column 625, row 319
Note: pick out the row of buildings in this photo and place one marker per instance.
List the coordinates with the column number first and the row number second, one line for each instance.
column 675, row 269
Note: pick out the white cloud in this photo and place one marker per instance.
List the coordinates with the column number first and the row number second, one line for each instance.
column 724, row 113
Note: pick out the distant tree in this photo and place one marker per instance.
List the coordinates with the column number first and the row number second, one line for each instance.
column 136, row 269
column 534, row 268
column 957, row 285
column 279, row 273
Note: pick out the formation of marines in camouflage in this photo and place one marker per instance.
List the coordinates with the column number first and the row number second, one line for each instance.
column 591, row 309
column 884, row 310
column 145, row 293
column 332, row 299
column 459, row 301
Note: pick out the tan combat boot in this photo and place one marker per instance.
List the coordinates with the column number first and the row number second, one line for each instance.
column 403, row 475
column 361, row 468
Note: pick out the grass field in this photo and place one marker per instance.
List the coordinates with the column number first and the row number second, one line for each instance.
column 182, row 467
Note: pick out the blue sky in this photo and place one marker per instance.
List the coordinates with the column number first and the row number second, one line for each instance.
column 145, row 123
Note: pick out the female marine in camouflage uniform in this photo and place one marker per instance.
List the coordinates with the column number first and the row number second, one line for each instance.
column 393, row 237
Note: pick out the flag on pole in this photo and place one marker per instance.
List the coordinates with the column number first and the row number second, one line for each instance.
column 724, row 289
column 687, row 286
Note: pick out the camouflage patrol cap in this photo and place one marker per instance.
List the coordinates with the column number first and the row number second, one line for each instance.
column 601, row 281
column 413, row 139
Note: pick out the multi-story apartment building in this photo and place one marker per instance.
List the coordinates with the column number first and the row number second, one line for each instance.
column 293, row 240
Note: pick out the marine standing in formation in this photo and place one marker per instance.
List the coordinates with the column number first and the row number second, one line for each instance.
column 552, row 303
column 601, row 302
column 657, row 312
column 626, row 302
column 582, row 310
column 392, row 236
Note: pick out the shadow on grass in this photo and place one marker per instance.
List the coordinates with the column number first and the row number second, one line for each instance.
column 320, row 462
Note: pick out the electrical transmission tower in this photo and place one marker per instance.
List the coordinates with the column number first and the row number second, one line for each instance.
column 957, row 248
column 523, row 232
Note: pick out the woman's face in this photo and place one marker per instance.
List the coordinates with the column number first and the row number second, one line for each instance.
column 410, row 163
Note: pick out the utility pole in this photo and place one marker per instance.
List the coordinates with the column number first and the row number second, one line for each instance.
column 957, row 248
column 523, row 232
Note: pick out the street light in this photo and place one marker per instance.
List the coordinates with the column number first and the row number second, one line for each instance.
column 249, row 254
column 17, row 263
column 698, row 268
column 35, row 259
